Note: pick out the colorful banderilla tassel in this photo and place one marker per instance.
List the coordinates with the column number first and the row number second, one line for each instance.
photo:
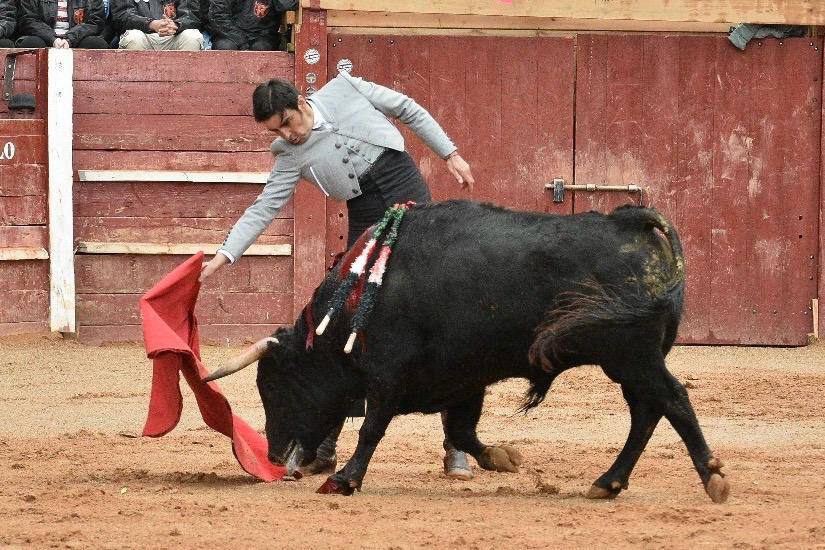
column 356, row 270
column 376, row 278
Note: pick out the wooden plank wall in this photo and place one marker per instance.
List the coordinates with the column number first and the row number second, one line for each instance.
column 727, row 144
column 310, row 206
column 820, row 309
column 174, row 111
column 506, row 102
column 798, row 12
column 24, row 284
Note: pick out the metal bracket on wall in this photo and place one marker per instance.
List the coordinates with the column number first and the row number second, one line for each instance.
column 8, row 77
column 559, row 187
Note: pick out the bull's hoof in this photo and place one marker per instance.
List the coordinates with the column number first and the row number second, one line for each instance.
column 501, row 459
column 717, row 488
column 609, row 492
column 332, row 487
column 293, row 476
column 714, row 464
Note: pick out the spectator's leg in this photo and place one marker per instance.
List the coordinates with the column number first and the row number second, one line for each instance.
column 6, row 43
column 263, row 45
column 224, row 44
column 93, row 43
column 190, row 40
column 134, row 39
column 207, row 39
column 31, row 42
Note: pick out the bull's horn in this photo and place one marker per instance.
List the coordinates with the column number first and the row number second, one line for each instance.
column 249, row 356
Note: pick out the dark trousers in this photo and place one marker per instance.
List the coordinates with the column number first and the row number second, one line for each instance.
column 88, row 43
column 394, row 178
column 261, row 44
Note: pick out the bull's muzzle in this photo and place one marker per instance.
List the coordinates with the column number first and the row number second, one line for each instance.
column 249, row 356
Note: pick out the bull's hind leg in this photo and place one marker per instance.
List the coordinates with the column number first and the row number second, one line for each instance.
column 643, row 420
column 460, row 425
column 652, row 392
column 680, row 414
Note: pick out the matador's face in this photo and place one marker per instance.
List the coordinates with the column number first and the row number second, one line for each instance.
column 293, row 125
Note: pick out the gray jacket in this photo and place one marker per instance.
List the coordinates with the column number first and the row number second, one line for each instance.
column 353, row 108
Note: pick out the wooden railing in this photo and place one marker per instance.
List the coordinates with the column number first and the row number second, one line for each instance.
column 796, row 12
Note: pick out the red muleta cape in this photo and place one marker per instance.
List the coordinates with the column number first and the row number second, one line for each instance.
column 170, row 334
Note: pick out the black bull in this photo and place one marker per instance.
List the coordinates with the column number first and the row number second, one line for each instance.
column 475, row 294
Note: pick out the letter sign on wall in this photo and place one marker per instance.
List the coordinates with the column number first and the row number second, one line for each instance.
column 7, row 152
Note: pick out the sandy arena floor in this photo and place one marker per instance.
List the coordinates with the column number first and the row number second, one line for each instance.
column 73, row 474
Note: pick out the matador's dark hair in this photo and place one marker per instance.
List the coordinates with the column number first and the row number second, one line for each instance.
column 271, row 98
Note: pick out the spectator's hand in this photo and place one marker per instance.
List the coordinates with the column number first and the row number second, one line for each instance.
column 170, row 28
column 61, row 43
column 212, row 266
column 164, row 27
column 460, row 170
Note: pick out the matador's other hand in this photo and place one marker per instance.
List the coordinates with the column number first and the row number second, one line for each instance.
column 460, row 170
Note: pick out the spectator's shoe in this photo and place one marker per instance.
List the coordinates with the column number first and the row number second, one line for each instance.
column 456, row 465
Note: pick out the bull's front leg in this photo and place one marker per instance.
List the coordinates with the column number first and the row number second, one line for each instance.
column 460, row 422
column 349, row 478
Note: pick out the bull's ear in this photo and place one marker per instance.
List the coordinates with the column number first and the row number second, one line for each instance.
column 249, row 356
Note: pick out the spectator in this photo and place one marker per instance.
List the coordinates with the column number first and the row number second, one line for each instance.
column 247, row 24
column 109, row 33
column 61, row 24
column 8, row 22
column 206, row 27
column 158, row 24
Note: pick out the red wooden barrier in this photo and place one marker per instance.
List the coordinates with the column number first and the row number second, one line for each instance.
column 310, row 206
column 726, row 143
column 174, row 111
column 506, row 102
column 24, row 284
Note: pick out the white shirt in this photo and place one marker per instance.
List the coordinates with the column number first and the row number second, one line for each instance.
column 61, row 24
column 318, row 120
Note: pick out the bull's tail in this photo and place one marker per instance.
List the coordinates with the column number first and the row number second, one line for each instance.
column 593, row 308
column 647, row 219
